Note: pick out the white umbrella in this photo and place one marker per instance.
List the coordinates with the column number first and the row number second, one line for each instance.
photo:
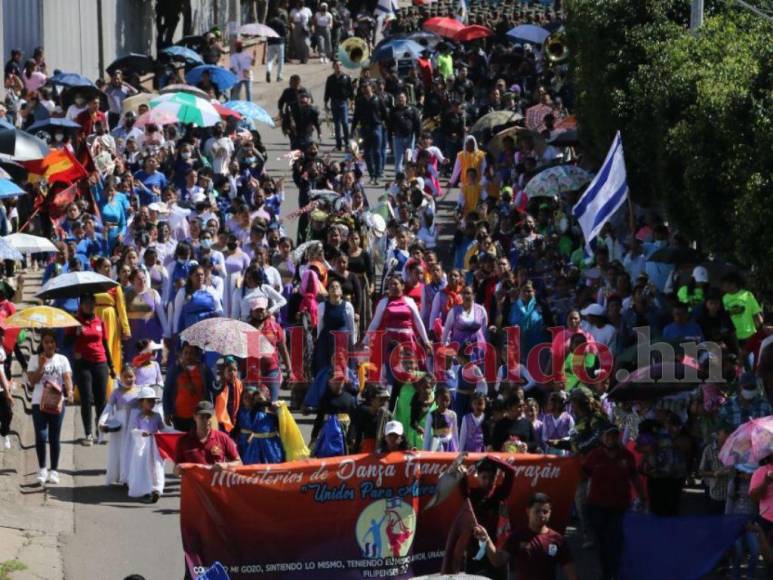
column 529, row 33
column 8, row 252
column 29, row 244
column 257, row 29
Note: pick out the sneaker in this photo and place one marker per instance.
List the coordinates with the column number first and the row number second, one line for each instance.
column 7, row 442
column 87, row 441
column 268, row 77
column 154, row 497
column 42, row 475
column 53, row 477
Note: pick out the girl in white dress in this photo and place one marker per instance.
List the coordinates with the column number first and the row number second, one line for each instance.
column 146, row 468
column 115, row 420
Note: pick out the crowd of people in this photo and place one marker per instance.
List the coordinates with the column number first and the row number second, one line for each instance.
column 192, row 225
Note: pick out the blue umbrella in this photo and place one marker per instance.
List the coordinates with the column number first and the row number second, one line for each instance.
column 398, row 48
column 52, row 122
column 251, row 111
column 9, row 189
column 183, row 53
column 70, row 80
column 224, row 79
column 8, row 252
column 529, row 33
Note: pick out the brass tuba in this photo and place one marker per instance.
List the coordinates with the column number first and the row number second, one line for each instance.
column 555, row 49
column 353, row 52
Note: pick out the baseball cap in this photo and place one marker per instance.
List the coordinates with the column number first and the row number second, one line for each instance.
column 593, row 310
column 260, row 302
column 205, row 408
column 393, row 428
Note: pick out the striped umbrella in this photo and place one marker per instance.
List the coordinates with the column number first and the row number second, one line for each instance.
column 251, row 111
column 187, row 108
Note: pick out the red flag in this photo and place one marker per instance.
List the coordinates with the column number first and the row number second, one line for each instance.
column 59, row 166
column 167, row 444
column 58, row 202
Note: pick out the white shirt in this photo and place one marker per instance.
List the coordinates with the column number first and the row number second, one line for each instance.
column 54, row 371
column 301, row 16
column 219, row 152
column 605, row 335
column 241, row 65
column 323, row 19
column 241, row 303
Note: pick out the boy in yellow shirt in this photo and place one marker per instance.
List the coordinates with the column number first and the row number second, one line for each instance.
column 470, row 194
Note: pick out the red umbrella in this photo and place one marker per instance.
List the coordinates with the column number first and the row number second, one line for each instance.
column 446, row 27
column 472, row 32
column 225, row 111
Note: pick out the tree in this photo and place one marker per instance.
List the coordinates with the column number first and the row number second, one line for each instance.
column 694, row 111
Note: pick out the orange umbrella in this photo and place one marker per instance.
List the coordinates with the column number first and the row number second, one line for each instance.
column 472, row 32
column 446, row 27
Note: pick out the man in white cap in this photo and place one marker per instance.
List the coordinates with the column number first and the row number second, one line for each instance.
column 596, row 325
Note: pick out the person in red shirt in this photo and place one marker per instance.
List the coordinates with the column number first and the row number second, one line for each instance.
column 536, row 553
column 93, row 364
column 611, row 470
column 204, row 446
column 88, row 118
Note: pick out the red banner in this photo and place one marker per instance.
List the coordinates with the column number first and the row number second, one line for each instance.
column 355, row 516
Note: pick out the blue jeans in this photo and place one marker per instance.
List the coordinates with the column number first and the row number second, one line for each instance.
column 47, row 430
column 340, row 112
column 236, row 90
column 399, row 146
column 374, row 140
column 747, row 544
column 275, row 52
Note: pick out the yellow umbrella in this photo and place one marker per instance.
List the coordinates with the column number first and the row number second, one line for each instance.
column 41, row 317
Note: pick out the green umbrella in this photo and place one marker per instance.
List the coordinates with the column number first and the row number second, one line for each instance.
column 188, row 109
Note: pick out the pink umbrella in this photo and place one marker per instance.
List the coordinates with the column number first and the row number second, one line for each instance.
column 156, row 117
column 750, row 443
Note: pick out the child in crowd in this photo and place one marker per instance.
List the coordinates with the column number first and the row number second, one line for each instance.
column 146, row 468
column 115, row 420
column 474, row 430
column 440, row 429
column 257, row 428
column 394, row 438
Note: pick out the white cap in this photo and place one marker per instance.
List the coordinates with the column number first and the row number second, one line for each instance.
column 700, row 274
column 593, row 310
column 147, row 393
column 376, row 223
column 259, row 302
column 153, row 345
column 393, row 427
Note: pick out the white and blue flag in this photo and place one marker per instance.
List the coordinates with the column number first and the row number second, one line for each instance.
column 604, row 196
column 461, row 12
column 385, row 7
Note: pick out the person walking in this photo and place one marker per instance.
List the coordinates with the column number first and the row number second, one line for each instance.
column 275, row 47
column 338, row 91
column 51, row 375
column 404, row 126
column 241, row 65
column 370, row 114
column 93, row 364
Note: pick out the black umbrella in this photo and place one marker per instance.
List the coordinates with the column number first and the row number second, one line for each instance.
column 21, row 146
column 71, row 93
column 655, row 381
column 137, row 63
column 428, row 39
column 74, row 285
column 17, row 172
column 676, row 255
column 567, row 138
column 194, row 42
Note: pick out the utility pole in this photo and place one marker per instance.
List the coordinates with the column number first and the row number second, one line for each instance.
column 696, row 15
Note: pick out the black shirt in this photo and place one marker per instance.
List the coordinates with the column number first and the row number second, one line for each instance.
column 306, row 119
column 280, row 28
column 520, row 428
column 404, row 122
column 343, row 403
column 369, row 113
column 338, row 88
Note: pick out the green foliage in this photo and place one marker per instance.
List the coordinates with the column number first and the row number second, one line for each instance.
column 9, row 566
column 695, row 114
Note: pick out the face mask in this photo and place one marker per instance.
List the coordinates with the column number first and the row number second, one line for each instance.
column 250, row 160
column 59, row 137
column 191, row 367
column 185, row 155
column 206, row 244
column 181, row 261
column 748, row 394
column 79, row 101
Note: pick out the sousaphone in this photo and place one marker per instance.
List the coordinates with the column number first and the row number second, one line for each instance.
column 354, row 53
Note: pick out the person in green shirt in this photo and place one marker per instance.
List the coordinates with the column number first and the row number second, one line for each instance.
column 577, row 360
column 741, row 305
column 415, row 401
column 445, row 62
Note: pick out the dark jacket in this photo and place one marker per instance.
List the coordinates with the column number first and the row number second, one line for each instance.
column 369, row 113
column 338, row 88
column 404, row 122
